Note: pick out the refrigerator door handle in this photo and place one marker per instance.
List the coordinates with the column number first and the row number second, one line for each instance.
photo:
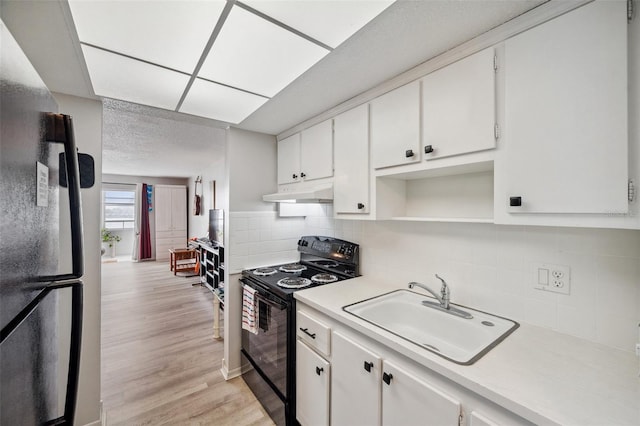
column 75, row 346
column 59, row 129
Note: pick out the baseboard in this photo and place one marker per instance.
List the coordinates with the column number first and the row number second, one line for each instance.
column 230, row 374
column 102, row 421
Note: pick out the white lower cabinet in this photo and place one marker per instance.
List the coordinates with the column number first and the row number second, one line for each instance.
column 313, row 374
column 407, row 400
column 365, row 389
column 356, row 371
column 361, row 381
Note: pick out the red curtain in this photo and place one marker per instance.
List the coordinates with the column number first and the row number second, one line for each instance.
column 145, row 233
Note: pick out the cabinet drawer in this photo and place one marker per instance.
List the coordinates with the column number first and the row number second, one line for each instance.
column 175, row 233
column 315, row 333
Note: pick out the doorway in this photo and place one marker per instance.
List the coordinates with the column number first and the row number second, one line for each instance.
column 118, row 222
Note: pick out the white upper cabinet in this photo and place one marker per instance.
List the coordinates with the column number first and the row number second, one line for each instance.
column 306, row 155
column 459, row 107
column 316, row 151
column 395, row 127
column 351, row 147
column 566, row 116
column 289, row 159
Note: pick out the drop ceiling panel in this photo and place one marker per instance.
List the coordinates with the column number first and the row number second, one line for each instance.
column 169, row 33
column 256, row 55
column 330, row 22
column 118, row 77
column 212, row 100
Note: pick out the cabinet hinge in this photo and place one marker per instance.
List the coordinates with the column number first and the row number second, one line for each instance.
column 496, row 131
column 630, row 10
column 631, row 191
column 495, row 63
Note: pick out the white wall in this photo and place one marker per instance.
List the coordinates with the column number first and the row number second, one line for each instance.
column 489, row 267
column 251, row 171
column 87, row 121
column 199, row 225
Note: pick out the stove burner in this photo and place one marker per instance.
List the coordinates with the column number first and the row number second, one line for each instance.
column 263, row 272
column 294, row 282
column 324, row 278
column 326, row 263
column 293, row 267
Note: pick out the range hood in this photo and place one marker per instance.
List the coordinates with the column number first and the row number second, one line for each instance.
column 314, row 194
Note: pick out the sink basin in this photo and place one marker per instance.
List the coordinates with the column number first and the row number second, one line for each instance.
column 457, row 339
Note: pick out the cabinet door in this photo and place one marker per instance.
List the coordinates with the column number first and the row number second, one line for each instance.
column 162, row 208
column 407, row 400
column 179, row 209
column 289, row 159
column 566, row 114
column 316, row 151
column 351, row 147
column 477, row 419
column 395, row 127
column 355, row 371
column 459, row 111
column 312, row 387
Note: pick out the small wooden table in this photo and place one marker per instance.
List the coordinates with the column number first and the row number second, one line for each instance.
column 183, row 260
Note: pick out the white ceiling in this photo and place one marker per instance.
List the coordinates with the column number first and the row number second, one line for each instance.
column 238, row 53
column 144, row 141
column 404, row 35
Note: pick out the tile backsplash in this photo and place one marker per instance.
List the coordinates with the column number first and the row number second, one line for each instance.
column 488, row 267
column 264, row 238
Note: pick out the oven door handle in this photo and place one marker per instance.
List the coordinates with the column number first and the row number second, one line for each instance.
column 272, row 303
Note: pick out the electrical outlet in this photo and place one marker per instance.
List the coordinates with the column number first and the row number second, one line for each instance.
column 554, row 278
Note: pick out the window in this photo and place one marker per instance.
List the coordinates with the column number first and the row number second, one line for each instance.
column 119, row 209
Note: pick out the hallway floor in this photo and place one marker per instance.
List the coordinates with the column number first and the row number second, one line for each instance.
column 160, row 363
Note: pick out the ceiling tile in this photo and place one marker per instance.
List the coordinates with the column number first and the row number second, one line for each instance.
column 254, row 54
column 118, row 77
column 207, row 99
column 330, row 22
column 169, row 33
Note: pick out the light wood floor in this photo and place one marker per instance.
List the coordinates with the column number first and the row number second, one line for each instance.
column 160, row 364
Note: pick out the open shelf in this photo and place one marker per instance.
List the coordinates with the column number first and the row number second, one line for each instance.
column 421, row 197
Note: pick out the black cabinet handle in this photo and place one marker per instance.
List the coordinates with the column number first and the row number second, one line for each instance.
column 319, row 370
column 302, row 175
column 515, row 201
column 367, row 366
column 408, row 153
column 306, row 331
column 428, row 149
column 387, row 378
column 360, row 206
column 295, row 176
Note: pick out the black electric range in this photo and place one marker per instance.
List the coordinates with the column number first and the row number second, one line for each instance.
column 271, row 351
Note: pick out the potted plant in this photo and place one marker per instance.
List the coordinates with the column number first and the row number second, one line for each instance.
column 110, row 239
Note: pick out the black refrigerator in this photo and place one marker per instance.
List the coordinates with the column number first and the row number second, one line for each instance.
column 35, row 144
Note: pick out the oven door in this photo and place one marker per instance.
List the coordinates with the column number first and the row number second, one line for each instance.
column 267, row 350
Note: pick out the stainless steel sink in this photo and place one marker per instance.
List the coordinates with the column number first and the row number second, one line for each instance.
column 457, row 339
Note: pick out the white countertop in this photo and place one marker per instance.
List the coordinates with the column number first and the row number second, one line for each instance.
column 544, row 376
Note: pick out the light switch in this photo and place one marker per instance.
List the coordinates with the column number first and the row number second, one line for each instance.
column 543, row 276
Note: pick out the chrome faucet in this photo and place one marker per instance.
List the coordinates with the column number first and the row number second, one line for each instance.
column 443, row 300
column 445, row 294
